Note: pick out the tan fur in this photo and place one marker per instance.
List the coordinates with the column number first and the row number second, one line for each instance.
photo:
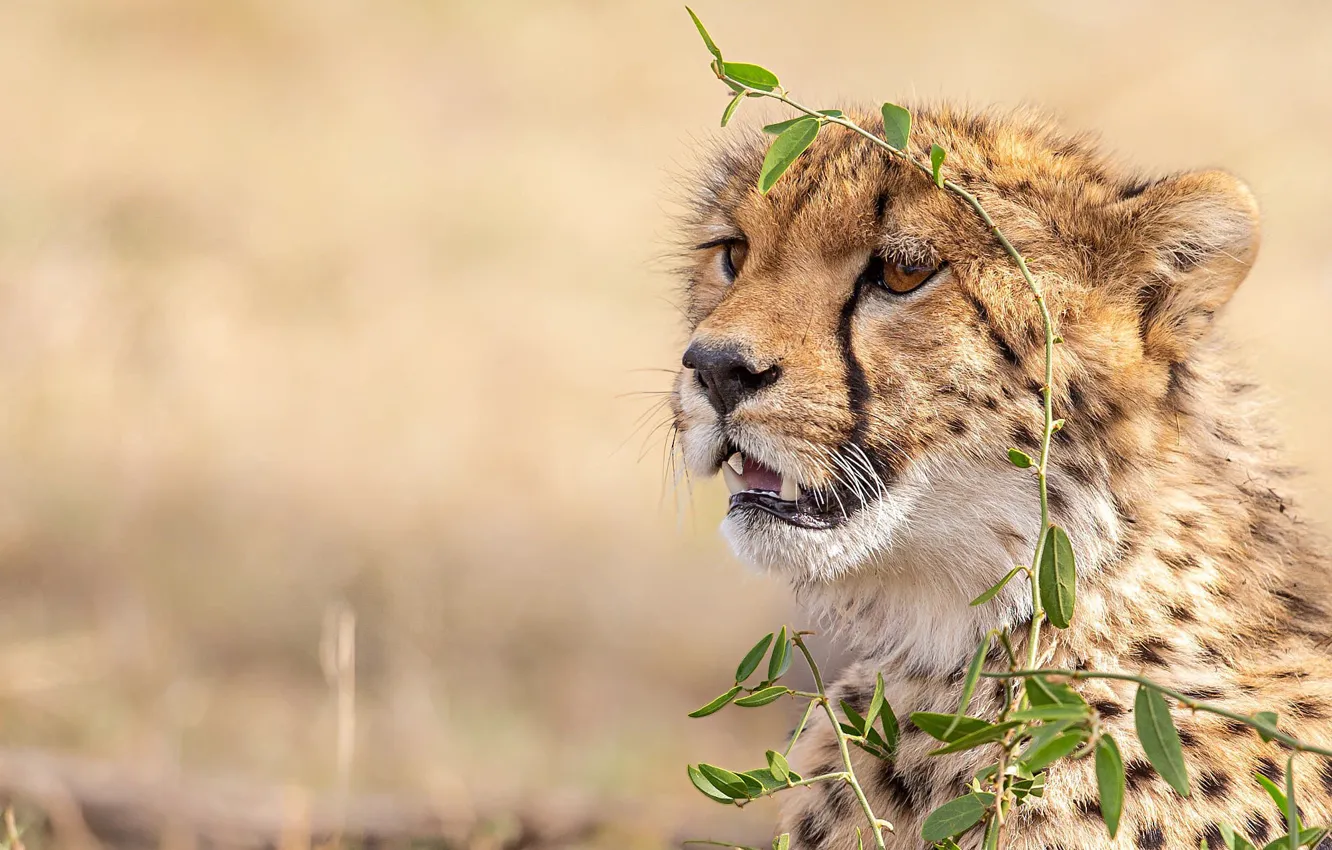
column 1195, row 567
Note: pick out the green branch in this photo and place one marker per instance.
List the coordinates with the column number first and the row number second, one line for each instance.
column 876, row 824
column 1263, row 727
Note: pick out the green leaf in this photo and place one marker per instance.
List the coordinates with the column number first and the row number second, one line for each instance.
column 724, row 781
column 991, row 835
column 1110, row 782
column 1034, row 787
column 975, row 739
column 955, row 816
column 854, row 720
column 937, row 156
column 935, row 725
column 1051, row 712
column 782, row 126
column 709, row 790
column 1269, row 719
column 896, row 125
column 1017, row 457
column 782, row 842
column 785, row 150
column 1059, row 577
column 892, row 733
column 1292, row 808
column 1232, row 840
column 1306, row 838
column 1041, row 691
column 1039, row 756
column 763, row 697
column 969, row 683
column 876, row 702
column 752, row 659
column 1275, row 792
column 766, row 779
column 780, row 768
column 754, row 76
column 1160, row 738
column 780, row 661
column 730, row 108
column 707, row 39
column 994, row 590
column 717, row 704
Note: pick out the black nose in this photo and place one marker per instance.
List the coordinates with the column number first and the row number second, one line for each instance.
column 727, row 373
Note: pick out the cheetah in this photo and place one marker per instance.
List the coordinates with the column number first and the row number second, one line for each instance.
column 862, row 354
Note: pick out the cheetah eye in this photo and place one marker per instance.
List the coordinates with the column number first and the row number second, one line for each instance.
column 899, row 278
column 733, row 255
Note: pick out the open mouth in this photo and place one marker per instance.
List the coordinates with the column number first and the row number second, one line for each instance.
column 755, row 487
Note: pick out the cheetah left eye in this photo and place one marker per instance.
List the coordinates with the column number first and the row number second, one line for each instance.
column 899, row 278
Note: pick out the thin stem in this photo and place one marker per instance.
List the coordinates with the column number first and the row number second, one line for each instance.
column 1188, row 702
column 1047, row 399
column 804, row 719
column 876, row 824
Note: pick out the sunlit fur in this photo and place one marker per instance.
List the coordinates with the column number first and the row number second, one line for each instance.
column 1193, row 565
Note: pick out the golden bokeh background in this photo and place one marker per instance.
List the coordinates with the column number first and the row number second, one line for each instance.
column 321, row 309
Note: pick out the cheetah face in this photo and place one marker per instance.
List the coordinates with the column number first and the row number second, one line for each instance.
column 863, row 354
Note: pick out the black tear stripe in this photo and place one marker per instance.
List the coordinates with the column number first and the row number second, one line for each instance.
column 857, row 386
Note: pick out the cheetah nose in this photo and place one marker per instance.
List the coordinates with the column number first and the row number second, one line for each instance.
column 727, row 373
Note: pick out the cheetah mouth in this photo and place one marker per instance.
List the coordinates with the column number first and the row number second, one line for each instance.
column 759, row 489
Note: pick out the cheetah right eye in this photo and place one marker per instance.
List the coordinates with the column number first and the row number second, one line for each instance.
column 733, row 256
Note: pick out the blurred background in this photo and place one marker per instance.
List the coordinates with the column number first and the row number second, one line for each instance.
column 330, row 325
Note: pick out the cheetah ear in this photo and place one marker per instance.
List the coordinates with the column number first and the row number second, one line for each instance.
column 1193, row 239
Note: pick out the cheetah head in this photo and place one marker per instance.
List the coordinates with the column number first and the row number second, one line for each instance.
column 863, row 353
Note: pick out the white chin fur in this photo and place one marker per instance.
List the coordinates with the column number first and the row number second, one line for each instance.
column 802, row 554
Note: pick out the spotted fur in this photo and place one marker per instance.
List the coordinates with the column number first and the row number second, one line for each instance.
column 1195, row 567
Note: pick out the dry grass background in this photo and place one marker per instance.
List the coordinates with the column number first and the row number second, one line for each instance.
column 315, row 301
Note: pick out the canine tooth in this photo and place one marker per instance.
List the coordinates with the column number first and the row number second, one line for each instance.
column 737, row 462
column 734, row 482
column 790, row 489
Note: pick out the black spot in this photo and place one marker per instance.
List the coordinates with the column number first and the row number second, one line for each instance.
column 1150, row 651
column 1212, row 835
column 1137, row 772
column 1204, row 693
column 1326, row 776
column 1214, row 786
column 1106, row 708
column 1269, row 768
column 1058, row 502
column 809, row 832
column 1258, row 827
column 1187, row 738
column 896, row 788
column 1150, row 837
column 1179, row 376
column 880, row 206
column 1187, row 256
column 840, row 798
column 1089, row 808
column 996, row 339
column 1298, row 606
column 958, row 426
column 1133, row 190
column 1181, row 614
column 1178, row 562
column 1309, row 708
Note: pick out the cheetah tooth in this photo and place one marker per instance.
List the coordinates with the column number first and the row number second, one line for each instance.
column 734, row 482
column 790, row 489
column 737, row 462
